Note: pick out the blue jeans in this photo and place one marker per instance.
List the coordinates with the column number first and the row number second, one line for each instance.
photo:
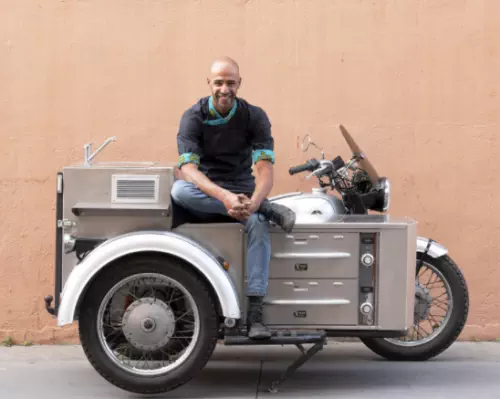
column 201, row 205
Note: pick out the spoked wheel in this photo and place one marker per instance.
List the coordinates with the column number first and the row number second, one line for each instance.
column 440, row 313
column 148, row 324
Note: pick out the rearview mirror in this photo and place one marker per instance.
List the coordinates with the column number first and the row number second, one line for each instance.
column 307, row 141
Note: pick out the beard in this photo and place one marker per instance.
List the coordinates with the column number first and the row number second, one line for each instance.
column 224, row 102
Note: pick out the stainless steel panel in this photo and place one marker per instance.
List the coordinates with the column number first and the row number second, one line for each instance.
column 354, row 223
column 311, row 302
column 225, row 240
column 396, row 278
column 306, row 255
column 102, row 214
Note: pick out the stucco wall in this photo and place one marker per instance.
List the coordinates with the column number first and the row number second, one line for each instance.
column 417, row 83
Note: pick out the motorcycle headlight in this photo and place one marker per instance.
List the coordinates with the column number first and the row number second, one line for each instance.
column 383, row 187
column 379, row 197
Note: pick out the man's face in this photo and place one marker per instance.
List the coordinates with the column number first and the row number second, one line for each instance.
column 224, row 84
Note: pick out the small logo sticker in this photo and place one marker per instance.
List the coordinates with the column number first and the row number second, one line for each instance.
column 300, row 314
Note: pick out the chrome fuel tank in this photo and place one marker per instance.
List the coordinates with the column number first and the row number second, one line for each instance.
column 312, row 207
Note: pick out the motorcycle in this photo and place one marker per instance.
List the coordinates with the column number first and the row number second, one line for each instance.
column 154, row 290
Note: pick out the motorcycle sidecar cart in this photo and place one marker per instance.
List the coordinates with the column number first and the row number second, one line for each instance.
column 154, row 289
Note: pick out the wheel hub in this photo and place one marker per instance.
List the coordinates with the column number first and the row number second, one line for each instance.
column 148, row 324
column 423, row 302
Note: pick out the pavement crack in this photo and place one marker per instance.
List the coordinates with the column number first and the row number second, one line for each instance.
column 259, row 379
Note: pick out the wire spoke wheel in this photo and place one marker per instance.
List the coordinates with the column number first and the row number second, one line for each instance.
column 148, row 323
column 440, row 313
column 433, row 307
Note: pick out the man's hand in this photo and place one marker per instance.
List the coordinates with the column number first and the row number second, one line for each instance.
column 235, row 205
column 264, row 183
column 244, row 208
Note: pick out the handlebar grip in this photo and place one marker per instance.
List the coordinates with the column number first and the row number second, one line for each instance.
column 299, row 168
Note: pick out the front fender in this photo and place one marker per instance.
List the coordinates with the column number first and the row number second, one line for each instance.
column 435, row 250
column 157, row 241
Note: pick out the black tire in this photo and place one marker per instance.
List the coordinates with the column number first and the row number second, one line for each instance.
column 447, row 336
column 202, row 350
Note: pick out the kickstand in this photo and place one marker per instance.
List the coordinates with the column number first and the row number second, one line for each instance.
column 304, row 357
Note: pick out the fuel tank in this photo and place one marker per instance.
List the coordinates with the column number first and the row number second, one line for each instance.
column 312, row 207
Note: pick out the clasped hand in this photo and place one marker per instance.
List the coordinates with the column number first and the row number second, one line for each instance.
column 239, row 206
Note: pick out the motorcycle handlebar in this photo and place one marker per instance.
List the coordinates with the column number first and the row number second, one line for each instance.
column 308, row 166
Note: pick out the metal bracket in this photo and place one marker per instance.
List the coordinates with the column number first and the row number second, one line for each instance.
column 424, row 254
column 87, row 148
column 304, row 357
column 282, row 337
column 65, row 223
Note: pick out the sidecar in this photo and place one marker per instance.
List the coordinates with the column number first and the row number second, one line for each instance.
column 154, row 289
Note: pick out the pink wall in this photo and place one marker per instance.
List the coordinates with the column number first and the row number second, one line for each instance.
column 416, row 82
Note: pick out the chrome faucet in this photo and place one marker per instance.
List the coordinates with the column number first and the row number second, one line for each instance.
column 87, row 148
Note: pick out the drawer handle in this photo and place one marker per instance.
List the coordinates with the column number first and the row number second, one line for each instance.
column 300, row 241
column 308, row 302
column 338, row 283
column 338, row 237
column 301, row 289
column 311, row 255
column 301, row 267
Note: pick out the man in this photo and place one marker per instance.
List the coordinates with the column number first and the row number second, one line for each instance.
column 219, row 139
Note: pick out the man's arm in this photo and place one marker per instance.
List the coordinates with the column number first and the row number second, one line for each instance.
column 263, row 182
column 263, row 157
column 193, row 175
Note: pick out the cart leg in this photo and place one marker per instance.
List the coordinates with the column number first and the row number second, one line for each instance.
column 304, row 357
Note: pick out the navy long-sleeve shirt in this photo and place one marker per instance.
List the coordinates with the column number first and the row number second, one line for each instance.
column 225, row 148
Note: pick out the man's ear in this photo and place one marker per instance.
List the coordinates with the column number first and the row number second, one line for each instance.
column 208, row 80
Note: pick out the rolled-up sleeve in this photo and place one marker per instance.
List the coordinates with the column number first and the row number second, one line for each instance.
column 262, row 139
column 189, row 139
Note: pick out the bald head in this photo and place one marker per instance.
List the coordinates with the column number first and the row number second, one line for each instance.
column 224, row 63
column 224, row 82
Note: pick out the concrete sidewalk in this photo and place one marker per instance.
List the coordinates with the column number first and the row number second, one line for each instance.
column 341, row 370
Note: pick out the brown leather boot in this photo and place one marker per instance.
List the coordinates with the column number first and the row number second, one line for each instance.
column 256, row 329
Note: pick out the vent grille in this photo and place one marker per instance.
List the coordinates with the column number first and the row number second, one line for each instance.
column 135, row 188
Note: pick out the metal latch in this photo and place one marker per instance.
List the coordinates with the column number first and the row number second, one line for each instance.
column 65, row 223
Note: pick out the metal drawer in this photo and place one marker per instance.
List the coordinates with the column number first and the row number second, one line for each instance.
column 311, row 302
column 309, row 255
column 313, row 242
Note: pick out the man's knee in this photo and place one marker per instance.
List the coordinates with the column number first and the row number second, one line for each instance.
column 181, row 191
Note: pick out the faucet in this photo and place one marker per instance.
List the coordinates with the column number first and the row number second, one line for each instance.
column 87, row 148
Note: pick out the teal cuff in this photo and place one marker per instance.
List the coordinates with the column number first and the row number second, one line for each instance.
column 188, row 157
column 263, row 155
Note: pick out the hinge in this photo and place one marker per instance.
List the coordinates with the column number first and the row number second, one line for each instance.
column 65, row 223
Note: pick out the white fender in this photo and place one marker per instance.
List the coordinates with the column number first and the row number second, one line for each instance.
column 435, row 250
column 159, row 241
